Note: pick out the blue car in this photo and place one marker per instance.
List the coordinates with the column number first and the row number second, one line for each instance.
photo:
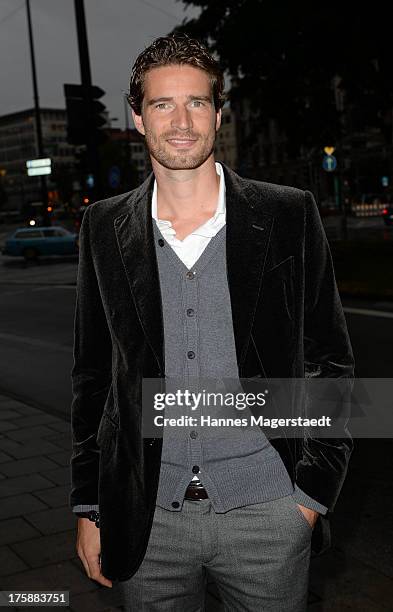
column 30, row 242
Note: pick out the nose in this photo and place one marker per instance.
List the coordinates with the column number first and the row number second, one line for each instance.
column 181, row 118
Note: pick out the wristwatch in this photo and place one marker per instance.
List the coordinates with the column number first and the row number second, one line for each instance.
column 92, row 515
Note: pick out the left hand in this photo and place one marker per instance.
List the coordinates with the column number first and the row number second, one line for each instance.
column 311, row 515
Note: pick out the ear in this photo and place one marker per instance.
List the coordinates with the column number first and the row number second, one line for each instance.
column 218, row 119
column 138, row 122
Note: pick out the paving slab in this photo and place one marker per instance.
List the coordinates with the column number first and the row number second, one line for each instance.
column 18, row 406
column 16, row 530
column 7, row 425
column 25, row 420
column 29, row 433
column 96, row 601
column 18, row 467
column 47, row 549
column 10, row 562
column 55, row 497
column 28, row 449
column 18, row 505
column 7, row 413
column 56, row 576
column 53, row 520
column 63, row 440
column 59, row 476
column 62, row 457
column 23, row 484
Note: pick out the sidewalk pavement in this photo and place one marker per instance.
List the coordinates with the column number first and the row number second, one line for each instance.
column 47, row 271
column 38, row 529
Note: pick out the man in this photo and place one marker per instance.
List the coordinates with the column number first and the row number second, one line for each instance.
column 203, row 273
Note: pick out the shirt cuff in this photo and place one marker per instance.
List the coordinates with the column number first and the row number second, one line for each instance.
column 85, row 508
column 304, row 500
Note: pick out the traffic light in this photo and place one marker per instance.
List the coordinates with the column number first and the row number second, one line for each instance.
column 82, row 166
column 85, row 115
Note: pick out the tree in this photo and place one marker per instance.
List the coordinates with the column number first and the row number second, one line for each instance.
column 285, row 55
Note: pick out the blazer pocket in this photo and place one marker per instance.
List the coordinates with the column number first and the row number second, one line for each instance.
column 281, row 269
column 106, row 430
column 108, row 424
column 289, row 297
column 279, row 279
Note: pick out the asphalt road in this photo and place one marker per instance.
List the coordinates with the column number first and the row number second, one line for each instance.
column 36, row 333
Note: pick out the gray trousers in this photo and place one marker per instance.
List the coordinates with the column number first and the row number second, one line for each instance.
column 258, row 556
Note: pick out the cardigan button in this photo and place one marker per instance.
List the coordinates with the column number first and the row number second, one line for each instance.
column 175, row 504
column 161, row 242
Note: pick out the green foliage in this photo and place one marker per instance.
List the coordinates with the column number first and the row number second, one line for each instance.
column 284, row 56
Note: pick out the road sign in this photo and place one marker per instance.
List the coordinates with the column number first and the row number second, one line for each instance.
column 114, row 177
column 329, row 163
column 39, row 167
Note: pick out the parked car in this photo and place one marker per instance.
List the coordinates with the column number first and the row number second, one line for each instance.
column 30, row 242
column 387, row 214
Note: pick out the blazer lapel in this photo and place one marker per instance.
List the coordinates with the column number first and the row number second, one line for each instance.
column 247, row 238
column 135, row 237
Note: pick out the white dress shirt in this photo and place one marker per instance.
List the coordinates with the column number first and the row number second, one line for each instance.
column 191, row 248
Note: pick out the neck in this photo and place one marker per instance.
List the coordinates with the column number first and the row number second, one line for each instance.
column 183, row 194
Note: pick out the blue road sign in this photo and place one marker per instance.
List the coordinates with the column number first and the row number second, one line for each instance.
column 114, row 177
column 329, row 163
column 90, row 181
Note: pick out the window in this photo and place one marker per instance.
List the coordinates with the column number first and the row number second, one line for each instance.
column 28, row 234
column 53, row 233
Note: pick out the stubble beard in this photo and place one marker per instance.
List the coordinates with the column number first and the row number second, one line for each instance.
column 179, row 160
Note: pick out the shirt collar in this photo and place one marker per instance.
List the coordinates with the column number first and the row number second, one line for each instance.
column 205, row 229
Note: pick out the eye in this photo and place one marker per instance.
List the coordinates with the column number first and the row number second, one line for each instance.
column 161, row 105
column 198, row 103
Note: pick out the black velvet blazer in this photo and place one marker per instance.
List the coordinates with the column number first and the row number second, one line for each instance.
column 288, row 322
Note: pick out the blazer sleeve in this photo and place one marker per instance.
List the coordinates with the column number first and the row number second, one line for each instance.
column 91, row 374
column 321, row 471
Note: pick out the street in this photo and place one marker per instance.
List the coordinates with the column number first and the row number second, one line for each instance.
column 359, row 228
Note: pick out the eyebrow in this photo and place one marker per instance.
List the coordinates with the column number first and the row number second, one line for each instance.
column 191, row 97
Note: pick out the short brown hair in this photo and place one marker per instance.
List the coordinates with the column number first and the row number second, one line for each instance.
column 174, row 49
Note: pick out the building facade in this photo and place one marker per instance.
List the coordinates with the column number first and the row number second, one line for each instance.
column 18, row 143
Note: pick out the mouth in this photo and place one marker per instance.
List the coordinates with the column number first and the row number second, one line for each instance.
column 181, row 143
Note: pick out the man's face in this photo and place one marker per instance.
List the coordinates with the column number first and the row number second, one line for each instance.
column 178, row 117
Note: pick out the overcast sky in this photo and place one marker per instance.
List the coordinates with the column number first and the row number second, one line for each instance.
column 117, row 29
